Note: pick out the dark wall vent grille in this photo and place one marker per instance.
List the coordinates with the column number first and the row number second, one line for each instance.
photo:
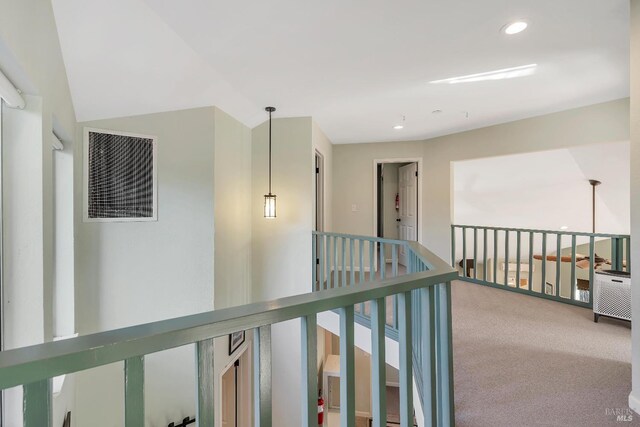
column 120, row 176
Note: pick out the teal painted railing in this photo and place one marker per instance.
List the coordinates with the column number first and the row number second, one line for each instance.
column 420, row 320
column 33, row 367
column 521, row 260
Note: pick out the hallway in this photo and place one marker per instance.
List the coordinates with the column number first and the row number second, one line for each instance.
column 524, row 361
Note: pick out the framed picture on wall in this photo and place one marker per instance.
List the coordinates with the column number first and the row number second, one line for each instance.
column 235, row 340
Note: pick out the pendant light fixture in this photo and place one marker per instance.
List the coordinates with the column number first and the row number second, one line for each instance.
column 270, row 199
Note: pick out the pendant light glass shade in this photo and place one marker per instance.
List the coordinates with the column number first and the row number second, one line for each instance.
column 270, row 199
column 269, row 205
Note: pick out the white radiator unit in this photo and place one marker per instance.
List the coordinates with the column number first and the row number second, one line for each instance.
column 612, row 295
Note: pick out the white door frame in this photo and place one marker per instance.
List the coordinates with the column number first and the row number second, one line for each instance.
column 245, row 348
column 376, row 162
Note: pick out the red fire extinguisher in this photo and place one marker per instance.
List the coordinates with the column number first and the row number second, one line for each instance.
column 320, row 409
column 397, row 201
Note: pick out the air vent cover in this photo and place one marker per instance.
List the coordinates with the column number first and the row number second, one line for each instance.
column 120, row 176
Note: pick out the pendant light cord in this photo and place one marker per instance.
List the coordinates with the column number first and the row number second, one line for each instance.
column 269, row 151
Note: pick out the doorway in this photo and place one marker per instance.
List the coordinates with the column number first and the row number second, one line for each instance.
column 236, row 392
column 397, row 201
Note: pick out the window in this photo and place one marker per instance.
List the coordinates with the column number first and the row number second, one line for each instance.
column 120, row 176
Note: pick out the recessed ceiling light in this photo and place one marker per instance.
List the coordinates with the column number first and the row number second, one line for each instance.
column 564, row 227
column 505, row 73
column 398, row 127
column 515, row 28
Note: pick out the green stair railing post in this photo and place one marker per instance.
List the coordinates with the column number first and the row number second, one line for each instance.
column 530, row 280
column 347, row 368
column 444, row 356
column 406, row 359
column 495, row 256
column 475, row 253
column 464, row 251
column 543, row 275
column 36, row 404
column 573, row 268
column 309, row 384
column 592, row 266
column 428, row 342
column 262, row 376
column 518, row 259
column 506, row 258
column 558, row 260
column 484, row 255
column 453, row 245
column 378, row 366
column 134, row 392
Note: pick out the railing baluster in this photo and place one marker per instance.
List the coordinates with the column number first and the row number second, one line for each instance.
column 428, row 361
column 406, row 359
column 309, row 341
column 261, row 376
column 475, row 252
column 321, row 266
column 558, row 265
column 36, row 404
column 314, row 262
column 394, row 307
column 453, row 245
column 464, row 252
column 336, row 277
column 543, row 269
column 394, row 260
column 444, row 358
column 361, row 261
column 134, row 391
column 352, row 269
column 506, row 257
column 372, row 270
column 518, row 263
column 484, row 254
column 531, row 237
column 344, row 262
column 628, row 257
column 383, row 262
column 619, row 254
column 328, row 264
column 592, row 252
column 573, row 267
column 347, row 368
column 495, row 256
column 378, row 366
column 205, row 377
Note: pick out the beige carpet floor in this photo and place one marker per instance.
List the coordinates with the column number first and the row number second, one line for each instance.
column 524, row 361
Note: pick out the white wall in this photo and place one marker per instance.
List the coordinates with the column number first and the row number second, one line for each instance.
column 546, row 190
column 136, row 272
column 232, row 211
column 281, row 247
column 634, row 398
column 30, row 56
column 353, row 171
column 232, row 238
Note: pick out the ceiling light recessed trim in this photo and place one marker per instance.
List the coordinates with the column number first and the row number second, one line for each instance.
column 502, row 74
column 515, row 27
column 398, row 127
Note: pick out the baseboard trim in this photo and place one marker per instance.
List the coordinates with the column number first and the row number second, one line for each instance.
column 634, row 402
